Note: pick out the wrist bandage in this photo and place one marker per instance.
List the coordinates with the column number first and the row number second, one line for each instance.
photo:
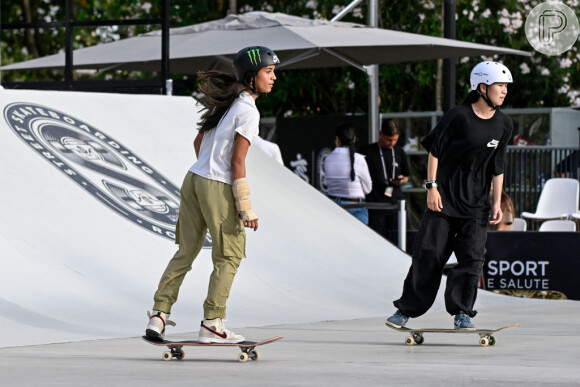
column 241, row 192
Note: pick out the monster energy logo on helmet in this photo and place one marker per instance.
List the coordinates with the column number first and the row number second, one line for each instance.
column 254, row 55
column 250, row 60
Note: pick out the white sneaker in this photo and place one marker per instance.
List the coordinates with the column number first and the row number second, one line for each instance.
column 214, row 331
column 157, row 322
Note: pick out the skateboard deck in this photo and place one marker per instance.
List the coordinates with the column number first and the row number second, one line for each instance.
column 416, row 335
column 248, row 348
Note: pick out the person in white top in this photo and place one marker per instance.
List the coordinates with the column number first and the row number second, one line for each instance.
column 346, row 173
column 215, row 192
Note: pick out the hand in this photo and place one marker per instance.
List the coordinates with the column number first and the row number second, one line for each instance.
column 400, row 180
column 250, row 223
column 434, row 202
column 495, row 215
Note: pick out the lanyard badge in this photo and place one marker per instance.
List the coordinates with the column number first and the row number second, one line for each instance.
column 390, row 188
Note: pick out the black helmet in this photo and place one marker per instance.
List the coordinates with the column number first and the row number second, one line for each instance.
column 251, row 60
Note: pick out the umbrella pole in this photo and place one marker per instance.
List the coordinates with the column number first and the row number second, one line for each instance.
column 374, row 125
column 345, row 10
column 372, row 70
column 449, row 63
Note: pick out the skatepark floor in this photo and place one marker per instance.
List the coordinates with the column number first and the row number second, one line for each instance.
column 542, row 351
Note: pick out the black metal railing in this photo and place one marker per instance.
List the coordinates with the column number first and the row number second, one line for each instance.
column 528, row 168
column 154, row 85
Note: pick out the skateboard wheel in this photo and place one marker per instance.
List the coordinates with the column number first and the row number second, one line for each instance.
column 167, row 356
column 484, row 341
column 419, row 339
column 410, row 340
column 243, row 357
column 255, row 355
column 179, row 355
column 491, row 340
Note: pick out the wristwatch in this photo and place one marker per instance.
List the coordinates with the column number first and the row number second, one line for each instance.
column 430, row 184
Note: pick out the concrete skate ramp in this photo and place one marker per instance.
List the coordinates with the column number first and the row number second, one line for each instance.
column 90, row 196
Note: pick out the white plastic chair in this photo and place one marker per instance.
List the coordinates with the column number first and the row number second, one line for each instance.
column 558, row 200
column 519, row 224
column 558, row 225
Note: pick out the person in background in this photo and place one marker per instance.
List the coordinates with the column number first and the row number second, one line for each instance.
column 508, row 211
column 346, row 172
column 389, row 170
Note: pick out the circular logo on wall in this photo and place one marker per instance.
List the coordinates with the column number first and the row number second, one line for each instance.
column 100, row 165
column 552, row 28
column 320, row 166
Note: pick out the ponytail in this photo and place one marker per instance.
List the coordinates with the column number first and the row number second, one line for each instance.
column 347, row 136
column 351, row 151
column 472, row 97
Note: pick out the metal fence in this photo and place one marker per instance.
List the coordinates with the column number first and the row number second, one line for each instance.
column 528, row 168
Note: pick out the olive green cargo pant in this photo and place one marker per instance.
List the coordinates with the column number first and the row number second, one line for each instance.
column 205, row 204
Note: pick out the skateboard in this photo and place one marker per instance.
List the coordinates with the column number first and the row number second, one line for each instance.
column 248, row 348
column 485, row 335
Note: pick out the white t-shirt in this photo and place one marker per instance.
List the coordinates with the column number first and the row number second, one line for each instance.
column 337, row 175
column 217, row 145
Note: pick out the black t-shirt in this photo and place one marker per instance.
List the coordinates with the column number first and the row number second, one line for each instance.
column 470, row 150
column 373, row 159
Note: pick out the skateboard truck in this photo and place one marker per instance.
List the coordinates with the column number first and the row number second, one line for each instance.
column 174, row 353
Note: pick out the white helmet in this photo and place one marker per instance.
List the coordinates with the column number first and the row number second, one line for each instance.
column 489, row 73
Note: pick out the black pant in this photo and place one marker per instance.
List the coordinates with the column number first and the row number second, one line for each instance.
column 386, row 223
column 438, row 236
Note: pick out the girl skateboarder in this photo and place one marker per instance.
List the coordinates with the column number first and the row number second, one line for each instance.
column 466, row 154
column 215, row 193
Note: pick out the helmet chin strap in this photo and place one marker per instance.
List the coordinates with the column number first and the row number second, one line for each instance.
column 252, row 87
column 486, row 99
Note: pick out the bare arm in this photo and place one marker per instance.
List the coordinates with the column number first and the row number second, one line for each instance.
column 434, row 202
column 197, row 143
column 496, row 213
column 241, row 146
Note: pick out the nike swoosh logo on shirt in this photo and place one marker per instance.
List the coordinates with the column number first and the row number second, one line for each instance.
column 492, row 144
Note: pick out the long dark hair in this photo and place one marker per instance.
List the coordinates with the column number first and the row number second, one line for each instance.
column 347, row 136
column 219, row 92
